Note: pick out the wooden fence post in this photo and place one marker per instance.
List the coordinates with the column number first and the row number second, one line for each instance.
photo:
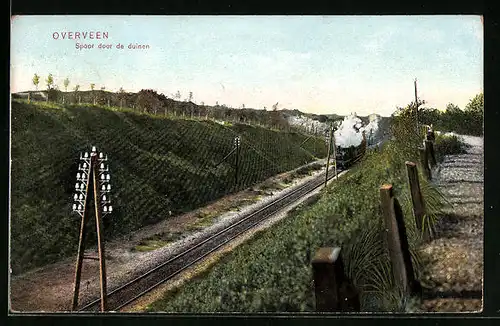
column 333, row 291
column 416, row 198
column 399, row 252
column 424, row 160
column 429, row 148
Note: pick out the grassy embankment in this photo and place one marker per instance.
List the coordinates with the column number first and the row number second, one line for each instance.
column 272, row 272
column 158, row 165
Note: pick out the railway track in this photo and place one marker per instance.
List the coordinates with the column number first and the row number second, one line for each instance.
column 136, row 288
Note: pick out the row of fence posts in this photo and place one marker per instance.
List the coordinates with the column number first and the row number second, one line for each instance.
column 333, row 290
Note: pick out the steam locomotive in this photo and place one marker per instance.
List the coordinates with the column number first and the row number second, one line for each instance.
column 346, row 157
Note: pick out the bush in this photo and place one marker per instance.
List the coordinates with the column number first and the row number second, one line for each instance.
column 448, row 144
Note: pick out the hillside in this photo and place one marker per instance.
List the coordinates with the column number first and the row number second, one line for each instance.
column 150, row 101
column 159, row 166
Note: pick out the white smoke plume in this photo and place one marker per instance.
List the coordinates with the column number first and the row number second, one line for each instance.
column 349, row 131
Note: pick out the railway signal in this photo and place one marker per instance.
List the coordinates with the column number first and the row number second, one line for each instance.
column 93, row 178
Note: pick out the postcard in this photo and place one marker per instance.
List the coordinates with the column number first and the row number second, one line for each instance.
column 246, row 164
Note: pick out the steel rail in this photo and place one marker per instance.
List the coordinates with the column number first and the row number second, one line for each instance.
column 117, row 299
column 260, row 216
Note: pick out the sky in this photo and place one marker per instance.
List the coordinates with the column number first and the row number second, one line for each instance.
column 317, row 64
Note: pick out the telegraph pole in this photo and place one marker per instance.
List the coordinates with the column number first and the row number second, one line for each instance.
column 237, row 143
column 334, row 154
column 100, row 240
column 328, row 156
column 416, row 103
column 92, row 171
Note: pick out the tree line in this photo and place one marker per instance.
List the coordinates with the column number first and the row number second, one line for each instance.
column 468, row 121
column 151, row 102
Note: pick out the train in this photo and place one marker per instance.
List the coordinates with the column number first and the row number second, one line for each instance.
column 347, row 156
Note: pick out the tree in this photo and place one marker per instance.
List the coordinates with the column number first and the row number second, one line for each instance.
column 474, row 112
column 453, row 118
column 50, row 81
column 66, row 84
column 190, row 98
column 428, row 116
column 178, row 95
column 452, row 108
column 50, row 85
column 277, row 118
column 100, row 96
column 36, row 81
column 476, row 104
column 92, row 86
column 76, row 89
column 243, row 106
column 121, row 95
column 148, row 100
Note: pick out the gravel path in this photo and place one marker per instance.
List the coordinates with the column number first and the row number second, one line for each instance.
column 454, row 258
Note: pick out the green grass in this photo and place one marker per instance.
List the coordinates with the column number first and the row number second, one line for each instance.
column 301, row 172
column 158, row 164
column 157, row 241
column 272, row 272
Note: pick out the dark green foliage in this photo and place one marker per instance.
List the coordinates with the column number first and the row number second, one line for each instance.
column 157, row 165
column 466, row 122
column 448, row 144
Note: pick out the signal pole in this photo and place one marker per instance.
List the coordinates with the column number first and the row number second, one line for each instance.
column 92, row 169
column 328, row 156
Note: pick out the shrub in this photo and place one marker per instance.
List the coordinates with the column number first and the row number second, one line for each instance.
column 448, row 144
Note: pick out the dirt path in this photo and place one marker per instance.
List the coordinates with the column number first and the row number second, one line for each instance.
column 454, row 258
column 50, row 288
